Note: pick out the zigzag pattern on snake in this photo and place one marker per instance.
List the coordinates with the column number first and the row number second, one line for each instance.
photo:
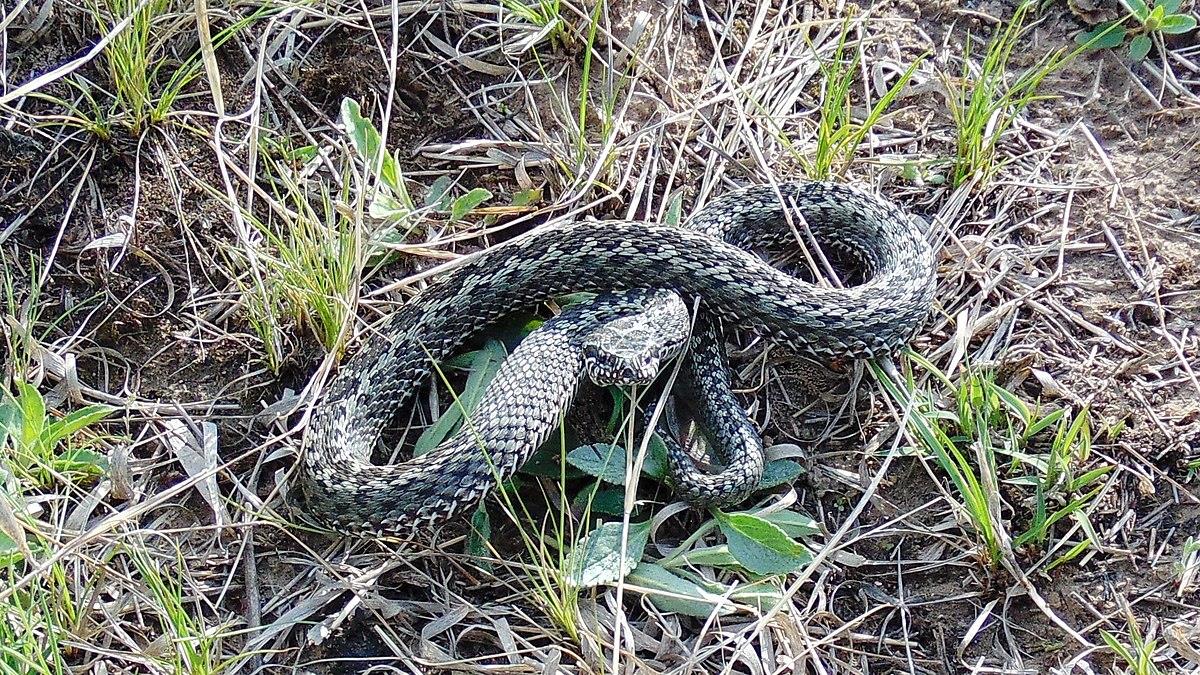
column 709, row 261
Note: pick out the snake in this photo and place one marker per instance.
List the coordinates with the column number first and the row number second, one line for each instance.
column 711, row 262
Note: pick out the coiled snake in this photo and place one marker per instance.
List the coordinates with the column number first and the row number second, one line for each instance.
column 708, row 260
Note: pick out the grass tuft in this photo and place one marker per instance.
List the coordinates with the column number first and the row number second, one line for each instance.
column 838, row 133
column 984, row 105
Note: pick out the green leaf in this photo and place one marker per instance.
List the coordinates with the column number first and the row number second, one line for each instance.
column 527, row 197
column 1139, row 47
column 761, row 546
column 386, row 207
column 1105, row 36
column 708, row 556
column 363, row 135
column 674, row 209
column 656, row 461
column 481, row 533
column 84, row 417
column 545, row 462
column 438, row 196
column 794, row 524
column 369, row 145
column 10, row 553
column 1045, row 422
column 1087, row 478
column 33, row 413
column 1016, row 405
column 1169, row 6
column 597, row 559
column 604, row 461
column 1177, row 23
column 672, row 593
column 466, row 203
column 1139, row 9
column 760, row 595
column 484, row 365
column 780, row 472
column 10, row 419
column 607, row 462
column 81, row 459
column 1155, row 19
column 604, row 499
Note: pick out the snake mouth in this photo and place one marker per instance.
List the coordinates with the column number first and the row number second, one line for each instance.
column 624, row 375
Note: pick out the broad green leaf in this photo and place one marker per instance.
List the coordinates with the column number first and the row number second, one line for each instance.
column 794, row 524
column 1177, row 23
column 466, row 203
column 761, row 546
column 369, row 144
column 604, row 499
column 672, row 593
column 545, row 462
column 1139, row 8
column 79, row 419
column 656, row 463
column 1104, row 36
column 597, row 559
column 1139, row 47
column 438, row 196
column 527, row 197
column 33, row 413
column 1169, row 6
column 386, row 207
column 604, row 461
column 607, row 462
column 780, row 472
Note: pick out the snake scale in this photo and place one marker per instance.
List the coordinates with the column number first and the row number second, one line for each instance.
column 710, row 260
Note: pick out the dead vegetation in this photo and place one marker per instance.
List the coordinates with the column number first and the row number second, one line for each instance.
column 197, row 225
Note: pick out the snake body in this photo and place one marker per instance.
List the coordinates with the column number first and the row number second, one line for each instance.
column 709, row 261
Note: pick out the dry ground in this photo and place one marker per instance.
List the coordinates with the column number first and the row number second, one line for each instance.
column 146, row 266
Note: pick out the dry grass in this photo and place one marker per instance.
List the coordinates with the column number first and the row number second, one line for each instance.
column 199, row 264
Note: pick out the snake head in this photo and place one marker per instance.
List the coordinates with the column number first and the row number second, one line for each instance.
column 632, row 349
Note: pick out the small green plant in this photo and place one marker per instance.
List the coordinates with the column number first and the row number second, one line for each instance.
column 306, row 268
column 1145, row 24
column 984, row 106
column 838, row 134
column 1140, row 652
column 992, row 439
column 41, row 447
column 37, row 619
column 391, row 201
column 545, row 15
column 194, row 647
column 134, row 57
column 316, row 244
column 146, row 80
